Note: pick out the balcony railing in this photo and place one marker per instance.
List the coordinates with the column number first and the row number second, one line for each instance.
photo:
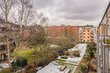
column 104, row 55
column 3, row 52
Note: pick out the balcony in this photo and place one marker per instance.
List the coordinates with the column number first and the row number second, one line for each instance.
column 104, row 55
column 3, row 52
column 1, row 34
column 3, row 43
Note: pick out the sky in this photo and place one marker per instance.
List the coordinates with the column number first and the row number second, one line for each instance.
column 72, row 12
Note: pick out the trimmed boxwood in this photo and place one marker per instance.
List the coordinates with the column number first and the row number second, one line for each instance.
column 21, row 61
column 14, row 64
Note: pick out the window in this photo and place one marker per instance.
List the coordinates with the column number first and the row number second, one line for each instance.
column 92, row 40
column 88, row 37
column 88, row 33
column 88, row 30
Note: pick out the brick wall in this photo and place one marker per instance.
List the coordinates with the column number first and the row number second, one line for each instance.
column 62, row 31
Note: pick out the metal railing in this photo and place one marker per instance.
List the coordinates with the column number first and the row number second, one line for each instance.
column 103, row 55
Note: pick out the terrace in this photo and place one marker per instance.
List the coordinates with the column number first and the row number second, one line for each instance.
column 70, row 63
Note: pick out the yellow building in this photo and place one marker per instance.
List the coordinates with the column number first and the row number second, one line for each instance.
column 86, row 34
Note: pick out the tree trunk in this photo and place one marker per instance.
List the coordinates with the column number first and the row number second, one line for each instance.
column 7, row 41
column 8, row 51
column 88, row 67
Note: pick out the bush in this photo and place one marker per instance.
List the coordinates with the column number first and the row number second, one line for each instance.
column 6, row 70
column 21, row 62
column 60, row 51
column 42, row 63
column 71, row 53
column 76, row 53
column 66, row 53
column 83, row 68
column 14, row 64
column 55, row 55
column 106, row 41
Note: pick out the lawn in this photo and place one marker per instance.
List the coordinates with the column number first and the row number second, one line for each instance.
column 6, row 70
column 26, row 54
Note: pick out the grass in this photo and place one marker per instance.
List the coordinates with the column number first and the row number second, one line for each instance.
column 23, row 52
column 26, row 54
column 6, row 70
column 60, row 60
column 30, row 59
column 73, row 62
column 60, row 63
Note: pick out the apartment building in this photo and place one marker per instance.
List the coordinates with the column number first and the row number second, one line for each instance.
column 2, row 45
column 11, row 35
column 56, row 32
column 86, row 33
column 95, row 34
column 103, row 48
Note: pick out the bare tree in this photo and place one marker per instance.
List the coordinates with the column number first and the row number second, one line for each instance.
column 26, row 15
column 21, row 13
column 5, row 9
column 21, row 17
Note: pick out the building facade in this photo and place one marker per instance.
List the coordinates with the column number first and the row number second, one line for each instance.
column 56, row 32
column 86, row 34
column 95, row 34
column 103, row 47
column 4, row 33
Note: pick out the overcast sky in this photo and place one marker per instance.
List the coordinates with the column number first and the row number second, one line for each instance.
column 72, row 12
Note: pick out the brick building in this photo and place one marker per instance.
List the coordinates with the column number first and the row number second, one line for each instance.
column 55, row 32
column 85, row 33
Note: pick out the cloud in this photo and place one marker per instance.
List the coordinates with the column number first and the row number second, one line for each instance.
column 43, row 3
column 72, row 11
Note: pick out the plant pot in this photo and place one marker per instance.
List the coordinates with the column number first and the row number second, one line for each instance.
column 106, row 41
